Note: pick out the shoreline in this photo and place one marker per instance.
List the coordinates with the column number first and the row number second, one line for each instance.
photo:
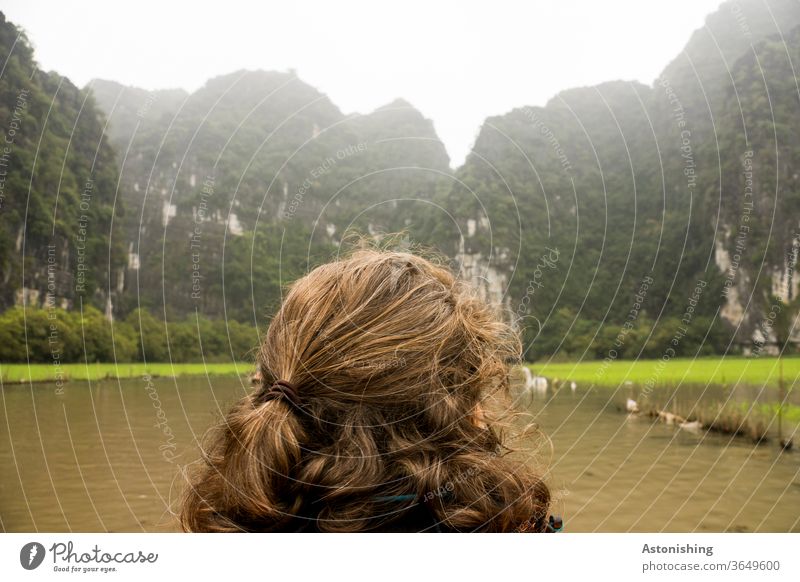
column 38, row 373
column 648, row 388
column 726, row 371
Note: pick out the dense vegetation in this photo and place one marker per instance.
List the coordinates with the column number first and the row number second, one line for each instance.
column 626, row 183
column 608, row 222
column 58, row 182
column 41, row 335
column 242, row 186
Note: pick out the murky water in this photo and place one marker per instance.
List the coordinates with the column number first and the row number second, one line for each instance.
column 619, row 472
column 107, row 456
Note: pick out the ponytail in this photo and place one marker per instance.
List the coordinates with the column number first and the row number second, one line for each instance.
column 245, row 479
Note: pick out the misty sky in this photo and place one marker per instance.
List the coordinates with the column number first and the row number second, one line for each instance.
column 457, row 62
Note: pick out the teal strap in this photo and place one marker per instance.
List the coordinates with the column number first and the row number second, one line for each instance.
column 555, row 524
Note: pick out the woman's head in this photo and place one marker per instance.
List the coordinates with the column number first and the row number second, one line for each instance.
column 391, row 358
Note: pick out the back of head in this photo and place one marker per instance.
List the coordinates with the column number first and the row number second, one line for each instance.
column 390, row 357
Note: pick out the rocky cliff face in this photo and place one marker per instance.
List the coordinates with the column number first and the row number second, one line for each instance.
column 758, row 184
column 692, row 179
column 248, row 156
column 57, row 187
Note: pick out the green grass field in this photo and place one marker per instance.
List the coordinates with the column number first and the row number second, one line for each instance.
column 729, row 370
column 704, row 370
column 14, row 373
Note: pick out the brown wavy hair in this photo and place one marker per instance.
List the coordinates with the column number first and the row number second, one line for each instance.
column 395, row 361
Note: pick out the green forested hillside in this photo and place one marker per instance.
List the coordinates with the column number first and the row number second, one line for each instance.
column 619, row 218
column 628, row 181
column 241, row 186
column 58, row 181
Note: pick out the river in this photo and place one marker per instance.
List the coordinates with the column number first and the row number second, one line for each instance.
column 107, row 456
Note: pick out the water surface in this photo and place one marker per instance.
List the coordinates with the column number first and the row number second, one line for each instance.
column 107, row 456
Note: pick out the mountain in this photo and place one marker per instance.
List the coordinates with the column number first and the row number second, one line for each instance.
column 235, row 189
column 625, row 182
column 58, row 180
column 757, row 189
column 618, row 220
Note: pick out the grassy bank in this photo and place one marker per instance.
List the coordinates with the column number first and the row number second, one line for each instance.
column 712, row 408
column 15, row 373
column 694, row 371
column 729, row 370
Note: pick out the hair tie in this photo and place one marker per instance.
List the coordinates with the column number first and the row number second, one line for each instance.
column 285, row 390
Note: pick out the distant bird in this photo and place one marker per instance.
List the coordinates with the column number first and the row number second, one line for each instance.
column 573, row 386
column 528, row 376
column 631, row 406
column 535, row 383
